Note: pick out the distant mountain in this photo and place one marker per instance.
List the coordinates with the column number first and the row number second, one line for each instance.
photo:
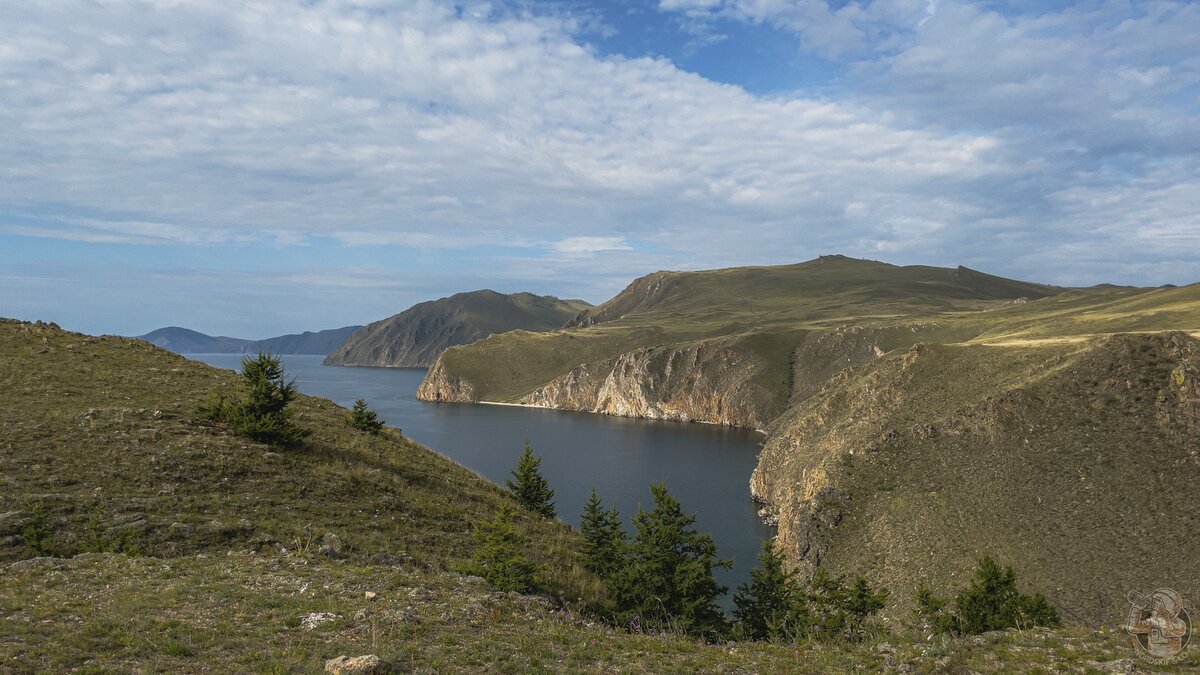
column 417, row 336
column 185, row 341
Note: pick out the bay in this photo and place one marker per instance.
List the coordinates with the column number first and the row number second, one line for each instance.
column 706, row 467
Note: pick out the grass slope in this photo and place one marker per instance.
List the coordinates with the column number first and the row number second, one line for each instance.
column 1070, row 460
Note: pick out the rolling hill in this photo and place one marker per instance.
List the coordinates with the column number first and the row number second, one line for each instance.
column 186, row 341
column 916, row 417
column 415, row 337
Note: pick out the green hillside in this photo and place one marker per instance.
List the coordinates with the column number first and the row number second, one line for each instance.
column 136, row 536
column 415, row 337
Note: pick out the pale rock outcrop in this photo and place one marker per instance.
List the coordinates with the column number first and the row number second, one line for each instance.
column 702, row 382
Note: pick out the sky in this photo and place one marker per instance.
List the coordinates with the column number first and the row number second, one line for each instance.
column 259, row 167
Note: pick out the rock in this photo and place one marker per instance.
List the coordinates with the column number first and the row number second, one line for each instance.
column 272, row 455
column 1118, row 666
column 370, row 596
column 180, row 531
column 10, row 522
column 31, row 563
column 311, row 621
column 331, row 545
column 346, row 665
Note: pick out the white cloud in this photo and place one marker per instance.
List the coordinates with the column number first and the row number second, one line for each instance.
column 416, row 124
column 589, row 245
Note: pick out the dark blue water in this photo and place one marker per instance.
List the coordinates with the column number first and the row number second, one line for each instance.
column 706, row 467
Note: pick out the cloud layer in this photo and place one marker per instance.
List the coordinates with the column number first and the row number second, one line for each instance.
column 1063, row 146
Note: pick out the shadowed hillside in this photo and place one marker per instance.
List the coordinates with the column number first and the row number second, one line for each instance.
column 415, row 337
column 185, row 341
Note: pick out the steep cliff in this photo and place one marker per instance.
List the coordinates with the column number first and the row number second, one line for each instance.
column 1070, row 460
column 702, row 382
column 416, row 336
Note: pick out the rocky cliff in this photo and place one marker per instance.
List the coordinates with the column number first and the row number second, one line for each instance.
column 706, row 382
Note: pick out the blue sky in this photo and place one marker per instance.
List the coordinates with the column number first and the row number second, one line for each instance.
column 257, row 168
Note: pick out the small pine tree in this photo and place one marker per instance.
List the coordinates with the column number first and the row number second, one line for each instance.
column 498, row 555
column 603, row 537
column 530, row 488
column 772, row 606
column 262, row 413
column 992, row 602
column 931, row 612
column 862, row 602
column 666, row 578
column 841, row 611
column 365, row 419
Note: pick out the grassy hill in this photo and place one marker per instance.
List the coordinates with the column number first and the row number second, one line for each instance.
column 137, row 536
column 917, row 417
column 416, row 336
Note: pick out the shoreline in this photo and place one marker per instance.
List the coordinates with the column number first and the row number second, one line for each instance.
column 763, row 432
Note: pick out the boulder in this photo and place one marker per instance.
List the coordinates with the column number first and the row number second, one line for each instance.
column 357, row 665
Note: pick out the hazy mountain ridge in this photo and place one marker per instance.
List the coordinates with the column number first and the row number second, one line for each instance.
column 418, row 335
column 187, row 341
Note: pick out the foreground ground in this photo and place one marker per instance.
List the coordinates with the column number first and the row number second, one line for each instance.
column 289, row 613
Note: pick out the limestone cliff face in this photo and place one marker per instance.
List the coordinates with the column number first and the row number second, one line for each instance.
column 702, row 382
column 440, row 386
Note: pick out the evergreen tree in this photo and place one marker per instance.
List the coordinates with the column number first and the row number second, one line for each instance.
column 862, row 602
column 841, row 611
column 931, row 612
column 530, row 488
column 261, row 413
column 992, row 602
column 603, row 537
column 772, row 606
column 666, row 578
column 365, row 419
column 498, row 554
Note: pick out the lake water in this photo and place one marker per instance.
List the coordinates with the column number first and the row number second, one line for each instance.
column 706, row 467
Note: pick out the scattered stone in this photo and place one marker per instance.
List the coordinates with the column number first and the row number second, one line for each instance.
column 370, row 596
column 31, row 563
column 1118, row 666
column 311, row 621
column 10, row 522
column 360, row 615
column 331, row 545
column 180, row 531
column 355, row 665
column 272, row 455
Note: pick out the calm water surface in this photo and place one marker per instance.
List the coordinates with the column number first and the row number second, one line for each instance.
column 706, row 467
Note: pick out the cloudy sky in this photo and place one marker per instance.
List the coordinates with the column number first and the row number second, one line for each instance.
column 256, row 167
